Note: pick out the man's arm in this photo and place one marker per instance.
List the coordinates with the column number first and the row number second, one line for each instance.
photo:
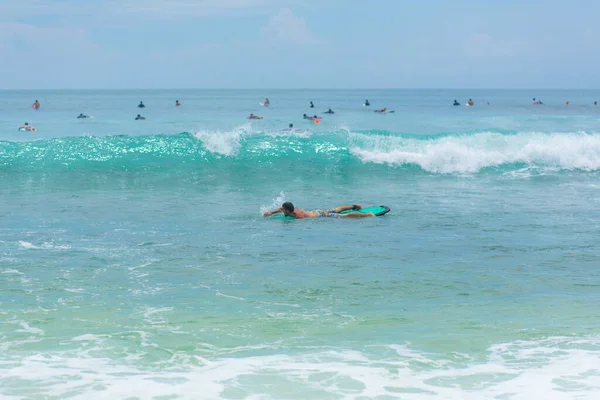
column 266, row 214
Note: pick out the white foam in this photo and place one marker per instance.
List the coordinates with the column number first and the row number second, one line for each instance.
column 27, row 245
column 29, row 329
column 229, row 296
column 43, row 246
column 468, row 154
column 553, row 369
column 276, row 203
column 12, row 271
column 88, row 337
column 225, row 143
column 74, row 290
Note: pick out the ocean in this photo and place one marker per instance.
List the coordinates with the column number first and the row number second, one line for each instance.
column 135, row 262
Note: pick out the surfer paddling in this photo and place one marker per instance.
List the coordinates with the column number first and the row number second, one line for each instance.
column 289, row 210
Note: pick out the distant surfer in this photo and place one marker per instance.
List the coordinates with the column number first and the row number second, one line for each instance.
column 312, row 105
column 306, row 116
column 456, row 103
column 470, row 103
column 177, row 103
column 252, row 116
column 289, row 210
column 267, row 103
column 537, row 101
column 141, row 105
column 595, row 103
column 383, row 110
column 316, row 119
column 367, row 104
column 139, row 117
column 330, row 111
column 36, row 105
column 82, row 116
column 27, row 127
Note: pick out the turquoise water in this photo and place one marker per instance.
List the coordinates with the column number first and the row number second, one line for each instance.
column 135, row 263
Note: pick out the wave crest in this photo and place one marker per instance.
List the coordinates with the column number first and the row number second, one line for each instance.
column 472, row 153
column 244, row 148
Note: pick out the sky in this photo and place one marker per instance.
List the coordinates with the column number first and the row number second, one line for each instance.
column 338, row 44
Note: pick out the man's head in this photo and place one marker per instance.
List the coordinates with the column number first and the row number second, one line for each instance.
column 287, row 208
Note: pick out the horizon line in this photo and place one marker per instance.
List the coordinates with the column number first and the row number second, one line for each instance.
column 279, row 89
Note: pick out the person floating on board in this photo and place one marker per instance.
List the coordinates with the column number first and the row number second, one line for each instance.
column 456, row 103
column 252, row 116
column 470, row 102
column 36, row 105
column 177, row 103
column 267, row 102
column 289, row 210
column 82, row 116
column 367, row 104
column 139, row 117
column 383, row 110
column 141, row 105
column 330, row 111
column 312, row 105
column 27, row 127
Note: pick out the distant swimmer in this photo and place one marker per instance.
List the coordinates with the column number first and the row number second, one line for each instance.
column 537, row 101
column 381, row 111
column 330, row 111
column 27, row 127
column 252, row 116
column 306, row 116
column 177, row 103
column 36, row 105
column 316, row 119
column 289, row 128
column 139, row 117
column 470, row 102
column 366, row 104
column 141, row 105
column 456, row 103
column 289, row 210
column 312, row 105
column 82, row 116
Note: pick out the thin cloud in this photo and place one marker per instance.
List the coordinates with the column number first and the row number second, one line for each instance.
column 162, row 8
column 287, row 27
column 10, row 31
column 484, row 45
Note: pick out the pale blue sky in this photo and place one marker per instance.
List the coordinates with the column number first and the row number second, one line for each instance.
column 46, row 44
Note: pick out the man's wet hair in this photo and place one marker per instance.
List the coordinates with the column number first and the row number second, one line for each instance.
column 288, row 206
